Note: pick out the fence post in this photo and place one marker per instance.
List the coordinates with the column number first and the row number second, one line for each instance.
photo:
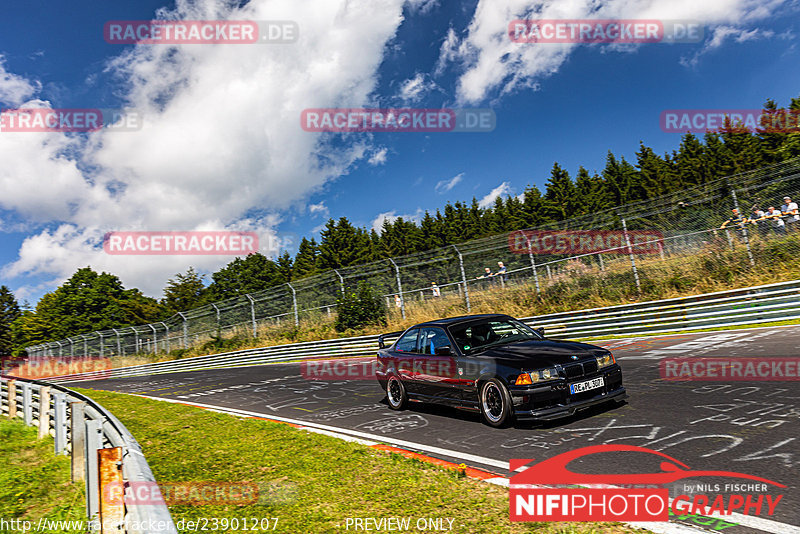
column 155, row 337
column 71, row 347
column 399, row 289
column 85, row 346
column 12, row 399
column 744, row 229
column 219, row 332
column 59, row 349
column 341, row 280
column 633, row 260
column 533, row 265
column 294, row 304
column 94, row 441
column 185, row 331
column 27, row 403
column 77, row 426
column 101, row 344
column 463, row 278
column 167, row 334
column 252, row 313
column 60, row 422
column 44, row 412
column 119, row 348
column 602, row 265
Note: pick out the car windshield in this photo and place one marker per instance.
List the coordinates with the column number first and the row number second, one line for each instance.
column 477, row 336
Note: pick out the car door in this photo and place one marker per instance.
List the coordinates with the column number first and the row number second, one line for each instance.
column 403, row 354
column 436, row 375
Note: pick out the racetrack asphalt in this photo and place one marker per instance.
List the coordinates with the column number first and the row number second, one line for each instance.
column 750, row 427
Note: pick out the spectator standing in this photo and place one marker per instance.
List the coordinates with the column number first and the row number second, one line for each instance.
column 501, row 271
column 777, row 220
column 758, row 217
column 435, row 290
column 735, row 219
column 790, row 211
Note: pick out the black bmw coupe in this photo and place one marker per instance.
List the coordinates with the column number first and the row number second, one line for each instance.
column 496, row 365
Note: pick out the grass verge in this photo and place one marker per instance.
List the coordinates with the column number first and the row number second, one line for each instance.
column 34, row 483
column 311, row 482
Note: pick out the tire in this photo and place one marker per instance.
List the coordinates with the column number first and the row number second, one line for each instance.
column 396, row 395
column 495, row 403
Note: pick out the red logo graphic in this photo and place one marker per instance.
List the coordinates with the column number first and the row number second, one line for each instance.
column 540, row 503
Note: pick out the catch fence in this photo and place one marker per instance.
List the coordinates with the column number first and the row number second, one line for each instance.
column 629, row 248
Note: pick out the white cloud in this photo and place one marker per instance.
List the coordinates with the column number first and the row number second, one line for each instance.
column 319, row 209
column 378, row 157
column 391, row 216
column 414, row 89
column 720, row 35
column 500, row 190
column 443, row 186
column 14, row 90
column 491, row 63
column 221, row 138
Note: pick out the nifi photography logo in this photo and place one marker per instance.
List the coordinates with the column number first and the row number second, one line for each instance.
column 549, row 491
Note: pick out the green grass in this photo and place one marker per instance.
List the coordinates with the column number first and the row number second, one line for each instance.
column 312, row 483
column 34, row 483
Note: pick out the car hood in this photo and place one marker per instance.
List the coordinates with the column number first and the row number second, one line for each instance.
column 537, row 354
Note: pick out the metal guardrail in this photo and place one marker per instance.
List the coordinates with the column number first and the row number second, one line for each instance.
column 98, row 443
column 752, row 305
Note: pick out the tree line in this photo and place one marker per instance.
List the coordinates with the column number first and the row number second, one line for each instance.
column 91, row 301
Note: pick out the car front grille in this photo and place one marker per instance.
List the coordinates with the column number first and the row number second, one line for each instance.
column 578, row 370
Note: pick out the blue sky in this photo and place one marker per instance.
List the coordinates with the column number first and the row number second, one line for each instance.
column 222, row 146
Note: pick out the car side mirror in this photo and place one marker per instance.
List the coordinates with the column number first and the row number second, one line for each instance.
column 444, row 350
column 540, row 331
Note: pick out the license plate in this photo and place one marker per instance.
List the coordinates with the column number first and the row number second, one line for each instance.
column 580, row 387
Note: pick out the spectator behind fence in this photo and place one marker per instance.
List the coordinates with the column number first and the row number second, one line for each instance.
column 790, row 211
column 435, row 290
column 777, row 220
column 501, row 271
column 758, row 218
column 736, row 219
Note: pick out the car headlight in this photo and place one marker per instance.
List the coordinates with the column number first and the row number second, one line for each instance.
column 605, row 360
column 542, row 375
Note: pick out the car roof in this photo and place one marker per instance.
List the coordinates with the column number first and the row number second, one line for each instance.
column 451, row 321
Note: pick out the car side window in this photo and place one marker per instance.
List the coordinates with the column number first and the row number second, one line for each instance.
column 407, row 343
column 431, row 339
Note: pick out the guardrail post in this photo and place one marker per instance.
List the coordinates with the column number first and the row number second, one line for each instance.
column 44, row 412
column 94, row 441
column 78, row 439
column 12, row 399
column 60, row 422
column 112, row 507
column 463, row 277
column 633, row 260
column 399, row 289
column 27, row 403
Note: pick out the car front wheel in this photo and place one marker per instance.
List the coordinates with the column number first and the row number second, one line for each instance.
column 495, row 403
column 396, row 393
